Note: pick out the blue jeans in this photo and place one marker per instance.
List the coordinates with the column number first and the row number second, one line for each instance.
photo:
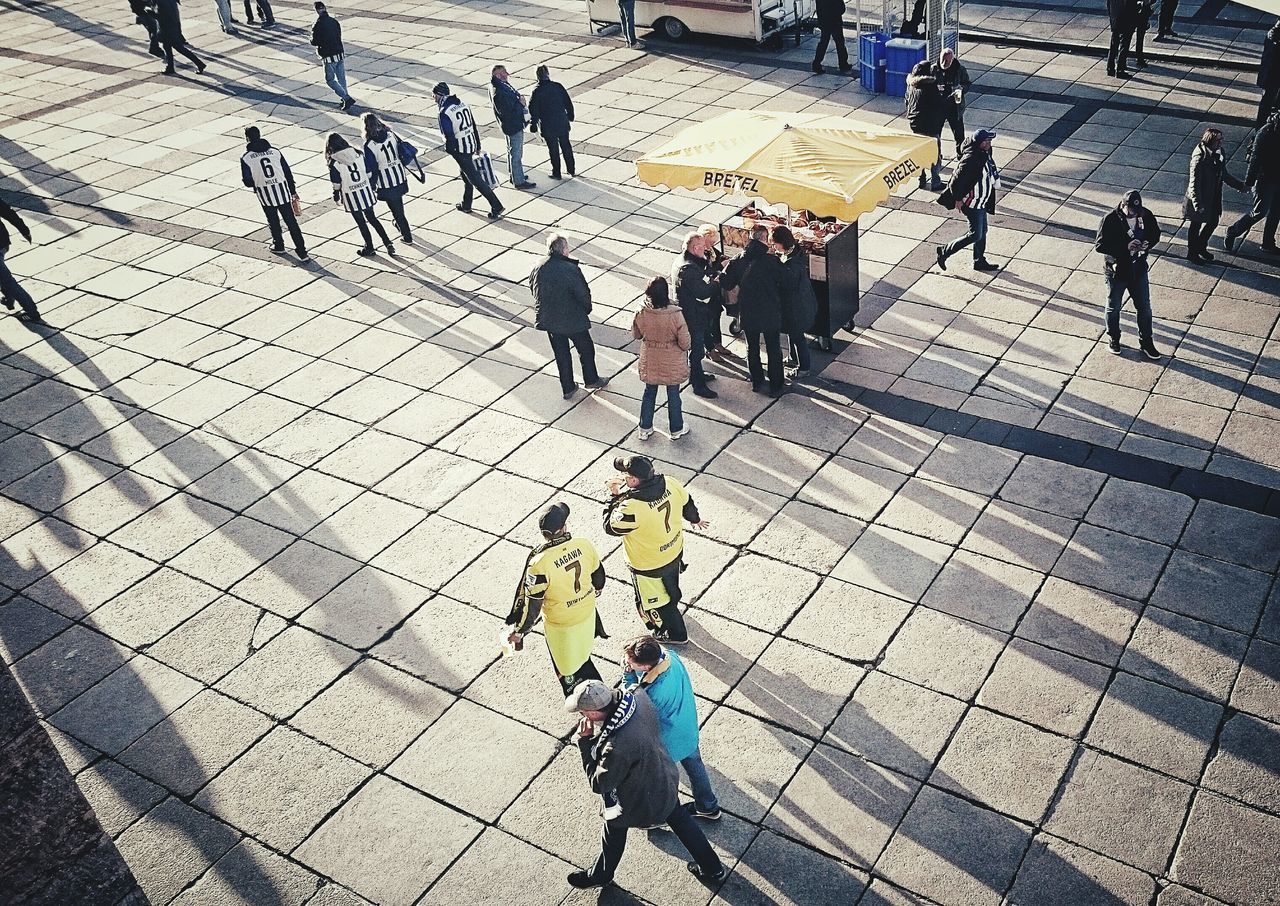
column 10, row 289
column 515, row 157
column 1139, row 291
column 627, row 12
column 977, row 235
column 336, row 75
column 704, row 798
column 224, row 13
column 649, row 402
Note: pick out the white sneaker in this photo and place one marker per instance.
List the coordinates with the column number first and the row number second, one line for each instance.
column 644, row 433
column 676, row 435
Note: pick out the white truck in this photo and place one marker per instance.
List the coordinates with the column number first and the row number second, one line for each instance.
column 761, row 21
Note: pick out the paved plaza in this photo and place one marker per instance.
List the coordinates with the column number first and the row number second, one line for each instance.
column 984, row 615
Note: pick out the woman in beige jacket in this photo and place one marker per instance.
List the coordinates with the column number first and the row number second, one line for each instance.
column 664, row 356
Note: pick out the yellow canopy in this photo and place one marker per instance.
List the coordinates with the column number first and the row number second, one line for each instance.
column 829, row 165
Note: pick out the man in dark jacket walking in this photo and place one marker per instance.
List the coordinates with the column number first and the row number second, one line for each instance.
column 972, row 192
column 926, row 112
column 10, row 290
column 509, row 108
column 264, row 169
column 1269, row 74
column 551, row 111
column 562, row 307
column 1263, row 180
column 326, row 37
column 761, row 281
column 145, row 15
column 1123, row 15
column 693, row 293
column 1126, row 236
column 953, row 83
column 831, row 25
column 171, row 37
column 628, row 766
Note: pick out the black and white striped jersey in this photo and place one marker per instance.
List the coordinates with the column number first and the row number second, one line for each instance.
column 383, row 159
column 458, row 126
column 270, row 176
column 347, row 170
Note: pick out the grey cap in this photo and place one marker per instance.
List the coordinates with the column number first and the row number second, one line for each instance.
column 589, row 695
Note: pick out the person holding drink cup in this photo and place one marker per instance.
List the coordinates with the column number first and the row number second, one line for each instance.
column 1125, row 238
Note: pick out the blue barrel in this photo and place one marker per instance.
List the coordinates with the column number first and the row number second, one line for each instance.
column 901, row 55
column 871, row 60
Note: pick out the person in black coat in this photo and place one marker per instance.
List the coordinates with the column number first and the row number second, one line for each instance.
column 1269, row 75
column 1124, row 20
column 1263, row 180
column 551, row 110
column 761, row 282
column 953, row 82
column 1125, row 238
column 1202, row 205
column 831, row 25
column 694, row 290
column 926, row 112
column 1167, row 9
column 799, row 302
column 10, row 290
column 171, row 37
column 326, row 38
column 145, row 15
column 972, row 192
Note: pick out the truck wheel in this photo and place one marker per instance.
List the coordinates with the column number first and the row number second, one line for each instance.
column 673, row 29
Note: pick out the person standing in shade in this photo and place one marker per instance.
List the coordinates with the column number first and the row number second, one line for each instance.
column 171, row 38
column 1123, row 15
column 926, row 114
column 693, row 294
column 627, row 22
column 264, row 169
column 1202, row 205
column 145, row 15
column 551, row 112
column 1125, row 238
column 1167, row 10
column 799, row 303
column 1269, row 75
column 391, row 179
column 972, row 192
column 462, row 143
column 562, row 308
column 661, row 673
column 760, row 280
column 628, row 766
column 1143, row 22
column 326, row 37
column 11, row 290
column 647, row 509
column 830, row 15
column 510, row 109
column 953, row 83
column 716, row 350
column 1263, row 180
column 351, row 185
column 560, row 584
column 664, row 357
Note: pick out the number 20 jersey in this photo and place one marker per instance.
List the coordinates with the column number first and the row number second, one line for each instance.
column 652, row 530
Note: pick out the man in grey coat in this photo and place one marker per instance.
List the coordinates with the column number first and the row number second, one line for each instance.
column 562, row 307
column 628, row 765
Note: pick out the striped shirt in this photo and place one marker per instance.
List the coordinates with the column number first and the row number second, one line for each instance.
column 458, row 126
column 346, row 170
column 988, row 182
column 385, row 155
column 336, row 58
column 270, row 176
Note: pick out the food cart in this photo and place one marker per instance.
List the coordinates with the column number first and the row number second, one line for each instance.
column 816, row 173
column 757, row 20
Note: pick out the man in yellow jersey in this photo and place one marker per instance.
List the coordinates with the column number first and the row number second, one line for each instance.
column 647, row 511
column 560, row 584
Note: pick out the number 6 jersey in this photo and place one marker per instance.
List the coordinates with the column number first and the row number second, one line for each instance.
column 265, row 169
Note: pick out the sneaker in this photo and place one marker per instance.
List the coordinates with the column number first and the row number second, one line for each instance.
column 817, row 69
column 846, row 69
column 275, row 249
column 555, row 176
column 942, row 257
column 347, row 104
column 696, row 870
column 937, row 185
column 665, row 638
column 391, row 250
column 496, row 212
column 705, row 392
column 707, row 375
column 366, row 252
column 713, row 815
column 200, row 68
column 464, row 208
column 304, row 258
column 406, row 239
column 757, row 388
column 676, row 435
column 644, row 433
column 982, row 264
column 598, row 384
column 1114, row 347
column 30, row 319
column 1149, row 350
column 776, row 392
column 527, row 185
column 569, row 393
column 583, row 881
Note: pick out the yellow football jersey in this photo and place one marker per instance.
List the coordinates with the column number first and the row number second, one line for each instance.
column 652, row 531
column 562, row 575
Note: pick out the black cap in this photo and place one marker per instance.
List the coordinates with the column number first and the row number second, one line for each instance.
column 636, row 466
column 554, row 518
column 1133, row 196
column 441, row 88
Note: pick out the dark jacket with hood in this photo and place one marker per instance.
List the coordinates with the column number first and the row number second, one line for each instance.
column 926, row 107
column 561, row 297
column 761, row 281
column 830, row 13
column 507, row 106
column 799, row 303
column 550, row 109
column 170, row 18
column 1264, row 159
column 1208, row 171
column 649, row 490
column 964, row 178
column 9, row 214
column 692, row 290
column 1113, row 241
column 326, row 35
column 632, row 767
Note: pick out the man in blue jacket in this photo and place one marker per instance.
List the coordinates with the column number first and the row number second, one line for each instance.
column 661, row 673
column 510, row 109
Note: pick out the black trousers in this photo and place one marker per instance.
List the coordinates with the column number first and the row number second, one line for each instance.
column 955, row 119
column 773, row 346
column 564, row 360
column 182, row 49
column 1118, row 52
column 1167, row 9
column 365, row 219
column 668, row 616
column 1198, row 233
column 557, row 145
column 471, row 181
column 832, row 32
column 613, row 842
column 274, row 214
column 396, row 204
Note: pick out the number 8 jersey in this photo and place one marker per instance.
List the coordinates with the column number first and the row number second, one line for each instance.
column 347, row 172
column 652, row 531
